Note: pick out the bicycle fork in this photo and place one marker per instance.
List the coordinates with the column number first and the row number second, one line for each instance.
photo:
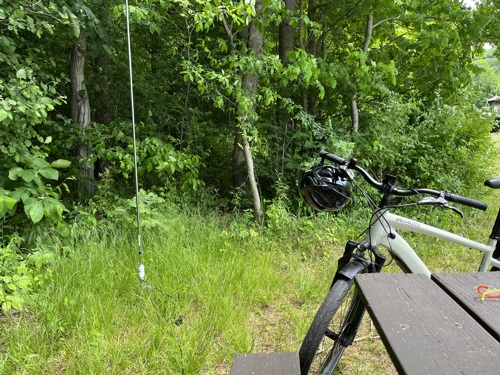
column 349, row 265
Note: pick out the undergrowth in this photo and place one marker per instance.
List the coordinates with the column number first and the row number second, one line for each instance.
column 223, row 286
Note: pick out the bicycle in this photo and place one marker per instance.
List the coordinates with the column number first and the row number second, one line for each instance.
column 336, row 322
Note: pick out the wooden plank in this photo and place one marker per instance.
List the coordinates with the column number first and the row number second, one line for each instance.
column 266, row 364
column 424, row 330
column 462, row 287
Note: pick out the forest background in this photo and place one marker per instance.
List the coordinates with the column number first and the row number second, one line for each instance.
column 233, row 101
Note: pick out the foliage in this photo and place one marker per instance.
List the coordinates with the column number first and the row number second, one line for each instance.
column 27, row 94
column 412, row 85
column 437, row 147
column 155, row 156
column 150, row 207
column 26, row 183
column 15, row 280
column 490, row 72
column 20, row 273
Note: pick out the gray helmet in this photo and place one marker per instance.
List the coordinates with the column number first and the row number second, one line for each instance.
column 323, row 188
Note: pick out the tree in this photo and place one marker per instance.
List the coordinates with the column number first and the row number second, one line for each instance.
column 80, row 112
column 253, row 39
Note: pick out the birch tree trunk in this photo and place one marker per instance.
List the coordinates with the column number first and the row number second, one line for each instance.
column 240, row 174
column 80, row 112
column 354, row 104
column 255, row 43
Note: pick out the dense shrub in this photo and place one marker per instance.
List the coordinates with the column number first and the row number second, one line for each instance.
column 436, row 146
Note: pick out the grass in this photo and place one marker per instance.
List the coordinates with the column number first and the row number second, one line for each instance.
column 231, row 286
column 237, row 288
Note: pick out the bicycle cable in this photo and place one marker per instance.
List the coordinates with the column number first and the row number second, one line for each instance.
column 369, row 200
column 376, row 210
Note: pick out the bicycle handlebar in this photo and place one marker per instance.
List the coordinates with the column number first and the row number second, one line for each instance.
column 351, row 164
column 468, row 202
column 331, row 157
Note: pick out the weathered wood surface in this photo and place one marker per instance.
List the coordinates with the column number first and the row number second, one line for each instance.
column 424, row 330
column 462, row 287
column 266, row 364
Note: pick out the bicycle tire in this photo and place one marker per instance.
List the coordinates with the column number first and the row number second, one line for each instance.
column 318, row 353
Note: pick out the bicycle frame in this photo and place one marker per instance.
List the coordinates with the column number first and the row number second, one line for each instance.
column 384, row 223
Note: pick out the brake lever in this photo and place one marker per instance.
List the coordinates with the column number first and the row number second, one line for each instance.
column 440, row 202
column 454, row 209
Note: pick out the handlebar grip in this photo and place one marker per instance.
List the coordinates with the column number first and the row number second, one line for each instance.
column 467, row 202
column 333, row 158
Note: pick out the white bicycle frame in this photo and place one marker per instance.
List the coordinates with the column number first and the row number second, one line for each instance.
column 384, row 223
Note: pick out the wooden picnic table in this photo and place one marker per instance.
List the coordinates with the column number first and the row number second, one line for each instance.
column 438, row 325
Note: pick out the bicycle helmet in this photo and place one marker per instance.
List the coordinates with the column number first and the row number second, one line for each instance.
column 324, row 189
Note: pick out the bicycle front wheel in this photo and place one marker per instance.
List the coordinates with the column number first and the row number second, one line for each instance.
column 332, row 329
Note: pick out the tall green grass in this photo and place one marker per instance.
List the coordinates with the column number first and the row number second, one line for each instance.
column 95, row 317
column 236, row 287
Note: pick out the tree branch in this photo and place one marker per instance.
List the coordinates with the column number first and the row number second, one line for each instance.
column 368, row 33
column 423, row 85
column 229, row 34
column 387, row 19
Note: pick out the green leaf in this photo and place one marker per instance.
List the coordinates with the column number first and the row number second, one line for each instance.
column 12, row 287
column 23, row 282
column 9, row 202
column 48, row 139
column 6, row 305
column 13, row 173
column 29, row 160
column 17, row 302
column 75, row 26
column 21, row 73
column 40, row 163
column 107, row 50
column 49, row 173
column 27, row 175
column 3, row 115
column 27, row 205
column 61, row 163
column 36, row 211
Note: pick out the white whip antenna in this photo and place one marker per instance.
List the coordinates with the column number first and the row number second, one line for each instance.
column 141, row 266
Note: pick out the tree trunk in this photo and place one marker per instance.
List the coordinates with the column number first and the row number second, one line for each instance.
column 354, row 104
column 80, row 112
column 301, row 25
column 101, row 104
column 255, row 43
column 286, row 33
column 311, row 49
column 240, row 175
column 286, row 44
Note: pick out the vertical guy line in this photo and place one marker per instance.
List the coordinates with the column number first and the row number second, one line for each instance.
column 135, row 150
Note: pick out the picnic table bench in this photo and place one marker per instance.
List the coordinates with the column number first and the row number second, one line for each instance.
column 266, row 364
column 438, row 325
